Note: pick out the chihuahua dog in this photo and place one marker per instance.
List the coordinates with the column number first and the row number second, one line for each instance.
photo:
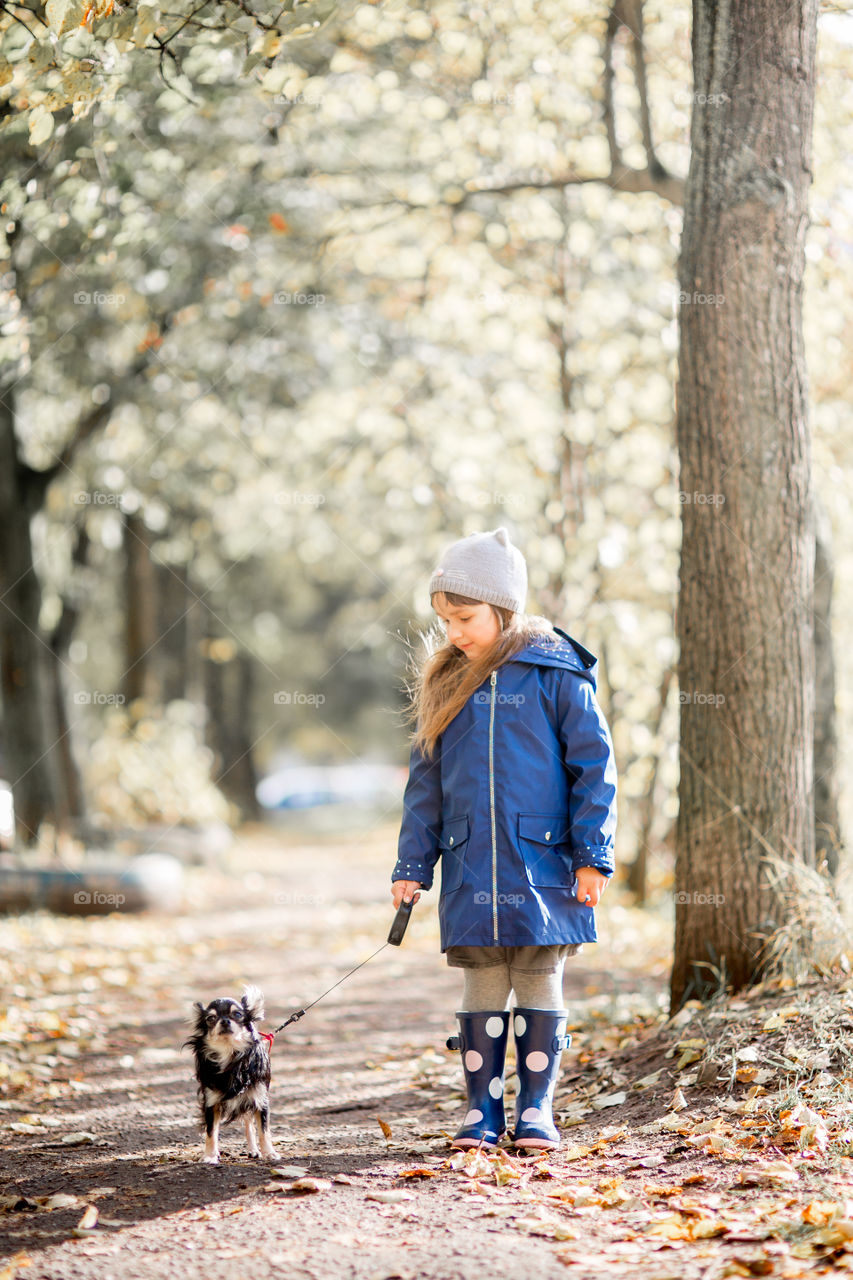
column 232, row 1066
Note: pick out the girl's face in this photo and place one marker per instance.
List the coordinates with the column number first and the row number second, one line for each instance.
column 471, row 627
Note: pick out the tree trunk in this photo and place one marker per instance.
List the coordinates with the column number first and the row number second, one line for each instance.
column 241, row 780
column 228, row 728
column 637, row 874
column 827, row 819
column 23, row 678
column 141, row 630
column 71, row 797
column 173, row 603
column 746, row 663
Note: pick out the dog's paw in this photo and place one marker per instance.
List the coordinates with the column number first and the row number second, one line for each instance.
column 272, row 1154
column 210, row 1159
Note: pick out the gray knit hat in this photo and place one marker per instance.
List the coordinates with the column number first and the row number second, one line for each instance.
column 484, row 566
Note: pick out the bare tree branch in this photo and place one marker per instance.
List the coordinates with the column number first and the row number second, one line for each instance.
column 654, row 177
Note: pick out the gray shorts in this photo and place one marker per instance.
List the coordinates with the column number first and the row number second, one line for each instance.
column 542, row 959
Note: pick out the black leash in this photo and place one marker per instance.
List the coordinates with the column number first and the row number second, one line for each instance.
column 395, row 937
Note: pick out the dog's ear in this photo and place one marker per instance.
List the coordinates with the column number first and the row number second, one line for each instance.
column 253, row 1004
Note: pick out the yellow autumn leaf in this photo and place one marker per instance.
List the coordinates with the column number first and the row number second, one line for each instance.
column 64, row 15
column 820, row 1212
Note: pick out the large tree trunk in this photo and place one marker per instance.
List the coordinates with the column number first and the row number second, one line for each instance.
column 746, row 664
column 23, row 678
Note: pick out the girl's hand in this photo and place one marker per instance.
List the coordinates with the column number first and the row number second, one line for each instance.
column 402, row 891
column 591, row 884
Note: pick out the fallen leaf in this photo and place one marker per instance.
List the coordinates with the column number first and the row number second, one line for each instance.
column 820, row 1212
column 288, row 1171
column 776, row 1021
column 609, row 1100
column 61, row 1201
column 310, row 1184
column 17, row 1260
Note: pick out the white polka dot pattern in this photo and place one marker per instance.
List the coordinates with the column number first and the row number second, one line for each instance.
column 520, row 1024
column 530, row 1115
column 537, row 1060
column 496, row 1087
column 473, row 1116
column 473, row 1060
column 494, row 1027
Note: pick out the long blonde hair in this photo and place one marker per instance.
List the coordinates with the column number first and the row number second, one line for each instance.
column 443, row 679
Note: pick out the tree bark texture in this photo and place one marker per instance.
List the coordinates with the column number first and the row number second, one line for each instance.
column 24, row 678
column 746, row 664
column 827, row 817
column 140, row 677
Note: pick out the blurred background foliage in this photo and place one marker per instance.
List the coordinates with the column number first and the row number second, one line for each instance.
column 345, row 298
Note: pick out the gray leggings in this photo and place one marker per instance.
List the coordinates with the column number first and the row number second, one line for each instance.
column 489, row 988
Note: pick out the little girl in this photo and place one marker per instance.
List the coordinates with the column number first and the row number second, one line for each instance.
column 512, row 783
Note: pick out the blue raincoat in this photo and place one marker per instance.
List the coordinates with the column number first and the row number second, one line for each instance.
column 520, row 793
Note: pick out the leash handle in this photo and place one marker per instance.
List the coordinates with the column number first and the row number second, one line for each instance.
column 401, row 919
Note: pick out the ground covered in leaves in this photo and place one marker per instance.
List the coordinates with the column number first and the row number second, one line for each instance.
column 717, row 1143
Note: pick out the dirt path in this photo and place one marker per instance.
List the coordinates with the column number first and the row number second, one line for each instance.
column 104, row 1109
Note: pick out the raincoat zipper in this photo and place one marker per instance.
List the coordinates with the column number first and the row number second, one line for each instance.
column 494, row 680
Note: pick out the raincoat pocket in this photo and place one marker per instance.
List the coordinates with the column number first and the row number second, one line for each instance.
column 452, row 842
column 543, row 841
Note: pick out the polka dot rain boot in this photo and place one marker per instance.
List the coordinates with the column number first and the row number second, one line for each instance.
column 539, row 1042
column 482, row 1039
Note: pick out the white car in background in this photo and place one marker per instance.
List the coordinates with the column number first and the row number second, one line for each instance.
column 308, row 786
